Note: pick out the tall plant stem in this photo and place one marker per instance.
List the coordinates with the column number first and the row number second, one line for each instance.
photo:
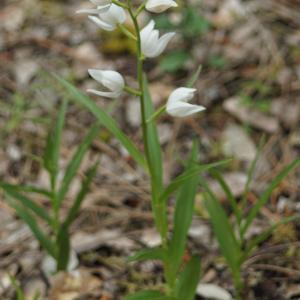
column 158, row 211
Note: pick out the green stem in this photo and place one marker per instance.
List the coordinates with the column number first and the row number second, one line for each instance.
column 126, row 31
column 157, row 114
column 132, row 91
column 158, row 210
column 139, row 10
column 238, row 284
column 120, row 4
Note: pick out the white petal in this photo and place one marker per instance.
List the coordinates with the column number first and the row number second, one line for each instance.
column 181, row 94
column 152, row 45
column 115, row 15
column 183, row 109
column 177, row 105
column 163, row 42
column 112, row 80
column 145, row 32
column 104, row 94
column 158, row 6
column 103, row 25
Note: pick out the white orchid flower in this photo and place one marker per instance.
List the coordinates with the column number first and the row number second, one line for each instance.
column 111, row 80
column 109, row 19
column 158, row 6
column 177, row 105
column 102, row 6
column 152, row 44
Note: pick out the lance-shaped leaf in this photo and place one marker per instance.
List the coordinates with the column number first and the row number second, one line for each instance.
column 189, row 279
column 28, row 218
column 51, row 156
column 188, row 174
column 27, row 189
column 80, row 196
column 148, row 254
column 230, row 197
column 26, row 202
column 265, row 234
column 107, row 121
column 184, row 210
column 75, row 162
column 222, row 229
column 267, row 193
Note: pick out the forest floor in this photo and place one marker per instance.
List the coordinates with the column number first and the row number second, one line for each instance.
column 250, row 85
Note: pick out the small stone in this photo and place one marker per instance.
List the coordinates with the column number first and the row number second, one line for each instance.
column 14, row 152
column 25, row 70
column 238, row 144
column 212, row 291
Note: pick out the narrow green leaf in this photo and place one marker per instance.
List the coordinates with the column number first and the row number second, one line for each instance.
column 222, row 229
column 154, row 150
column 148, row 295
column 265, row 234
column 19, row 292
column 28, row 203
column 75, row 162
column 28, row 218
column 63, row 244
column 51, row 156
column 193, row 171
column 189, row 279
column 192, row 81
column 267, row 193
column 251, row 170
column 230, row 197
column 184, row 210
column 106, row 120
column 27, row 188
column 156, row 253
column 80, row 196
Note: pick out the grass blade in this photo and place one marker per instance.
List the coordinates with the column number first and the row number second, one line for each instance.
column 222, row 229
column 19, row 292
column 265, row 234
column 156, row 253
column 189, row 279
column 107, row 121
column 75, row 162
column 28, row 203
column 184, row 210
column 230, row 197
column 251, row 170
column 267, row 193
column 27, row 217
column 27, row 189
column 51, row 156
column 80, row 196
column 195, row 170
